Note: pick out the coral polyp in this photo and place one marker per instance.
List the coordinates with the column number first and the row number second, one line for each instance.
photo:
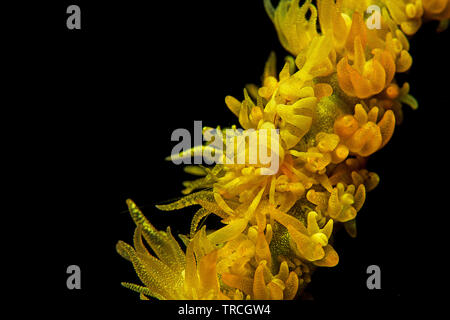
column 334, row 103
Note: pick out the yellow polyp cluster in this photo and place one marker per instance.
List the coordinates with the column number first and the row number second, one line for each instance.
column 436, row 9
column 334, row 103
column 295, row 31
column 361, row 134
column 407, row 14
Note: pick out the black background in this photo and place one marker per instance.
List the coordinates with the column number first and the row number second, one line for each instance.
column 101, row 103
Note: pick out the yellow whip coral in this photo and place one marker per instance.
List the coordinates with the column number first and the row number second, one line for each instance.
column 334, row 103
